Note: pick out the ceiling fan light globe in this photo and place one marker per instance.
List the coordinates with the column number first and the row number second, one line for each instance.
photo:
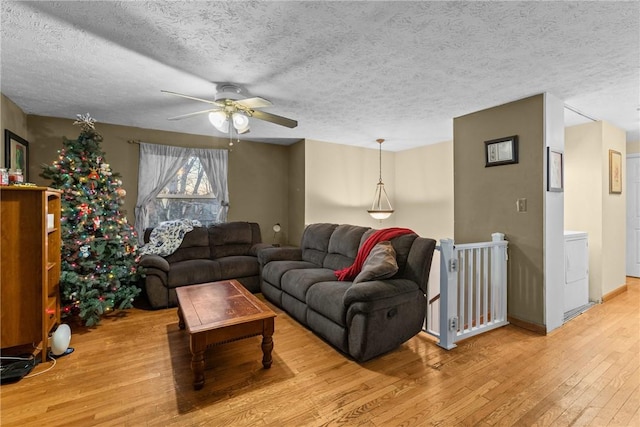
column 240, row 121
column 219, row 120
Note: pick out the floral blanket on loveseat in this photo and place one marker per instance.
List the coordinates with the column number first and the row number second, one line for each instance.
column 167, row 237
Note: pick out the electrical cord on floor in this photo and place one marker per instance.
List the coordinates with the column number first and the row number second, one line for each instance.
column 46, row 370
column 21, row 366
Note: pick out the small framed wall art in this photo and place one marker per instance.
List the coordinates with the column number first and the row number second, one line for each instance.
column 16, row 153
column 555, row 169
column 615, row 172
column 501, row 151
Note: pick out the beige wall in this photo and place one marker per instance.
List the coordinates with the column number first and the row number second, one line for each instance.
column 613, row 213
column 341, row 180
column 633, row 147
column 14, row 119
column 424, row 190
column 589, row 206
column 424, row 194
column 258, row 173
column 583, row 194
column 296, row 194
column 340, row 183
column 485, row 198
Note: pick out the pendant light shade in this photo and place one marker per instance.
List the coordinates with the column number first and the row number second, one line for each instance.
column 381, row 207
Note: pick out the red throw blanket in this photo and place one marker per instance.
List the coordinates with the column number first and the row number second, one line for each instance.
column 351, row 272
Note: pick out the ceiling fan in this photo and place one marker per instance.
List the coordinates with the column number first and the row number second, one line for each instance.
column 229, row 106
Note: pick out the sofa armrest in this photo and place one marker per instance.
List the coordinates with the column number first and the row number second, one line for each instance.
column 279, row 254
column 377, row 290
column 155, row 261
column 255, row 249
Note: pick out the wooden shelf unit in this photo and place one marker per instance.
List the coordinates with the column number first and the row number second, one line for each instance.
column 29, row 266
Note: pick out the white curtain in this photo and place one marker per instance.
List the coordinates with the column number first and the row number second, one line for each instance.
column 214, row 163
column 160, row 163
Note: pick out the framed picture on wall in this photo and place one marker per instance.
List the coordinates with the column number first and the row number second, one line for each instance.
column 16, row 153
column 615, row 172
column 501, row 151
column 555, row 170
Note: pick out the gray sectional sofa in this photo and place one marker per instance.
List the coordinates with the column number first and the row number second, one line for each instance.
column 364, row 319
column 206, row 254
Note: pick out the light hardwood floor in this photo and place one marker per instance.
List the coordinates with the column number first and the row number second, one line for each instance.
column 133, row 370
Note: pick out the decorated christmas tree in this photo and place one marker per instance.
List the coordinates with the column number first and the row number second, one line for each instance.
column 99, row 248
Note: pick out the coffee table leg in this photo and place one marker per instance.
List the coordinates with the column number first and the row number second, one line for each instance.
column 197, row 363
column 180, row 319
column 267, row 343
column 197, row 366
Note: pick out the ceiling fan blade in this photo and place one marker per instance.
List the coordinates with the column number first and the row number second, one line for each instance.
column 193, row 97
column 184, row 116
column 282, row 121
column 255, row 102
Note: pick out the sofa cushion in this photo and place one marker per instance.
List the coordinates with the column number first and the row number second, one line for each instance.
column 315, row 242
column 193, row 271
column 402, row 246
column 233, row 238
column 380, row 263
column 343, row 246
column 297, row 282
column 327, row 299
column 195, row 245
column 273, row 271
column 238, row 266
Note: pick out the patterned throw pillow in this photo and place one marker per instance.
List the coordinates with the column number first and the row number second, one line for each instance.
column 167, row 237
column 380, row 263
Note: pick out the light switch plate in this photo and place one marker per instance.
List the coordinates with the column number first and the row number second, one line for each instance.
column 521, row 205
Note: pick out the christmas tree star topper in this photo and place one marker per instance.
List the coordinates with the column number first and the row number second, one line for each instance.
column 85, row 121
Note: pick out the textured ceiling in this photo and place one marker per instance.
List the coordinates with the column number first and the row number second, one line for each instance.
column 349, row 72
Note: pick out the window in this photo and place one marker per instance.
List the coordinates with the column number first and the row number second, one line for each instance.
column 181, row 183
column 187, row 195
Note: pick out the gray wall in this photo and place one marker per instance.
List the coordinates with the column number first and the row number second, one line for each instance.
column 485, row 198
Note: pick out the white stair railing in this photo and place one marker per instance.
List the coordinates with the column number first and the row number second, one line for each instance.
column 473, row 290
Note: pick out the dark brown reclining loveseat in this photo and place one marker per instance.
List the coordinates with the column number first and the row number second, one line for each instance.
column 206, row 254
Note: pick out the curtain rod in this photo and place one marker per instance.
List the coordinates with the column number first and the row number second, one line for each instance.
column 138, row 141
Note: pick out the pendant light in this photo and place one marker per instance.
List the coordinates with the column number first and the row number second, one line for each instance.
column 381, row 207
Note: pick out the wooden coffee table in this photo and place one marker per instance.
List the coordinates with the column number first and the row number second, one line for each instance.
column 220, row 312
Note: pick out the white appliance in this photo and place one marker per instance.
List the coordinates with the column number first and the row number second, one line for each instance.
column 576, row 270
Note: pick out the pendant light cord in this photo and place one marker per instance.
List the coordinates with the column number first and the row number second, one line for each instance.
column 380, row 141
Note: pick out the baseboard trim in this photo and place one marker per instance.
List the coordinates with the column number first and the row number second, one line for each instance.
column 533, row 327
column 614, row 293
